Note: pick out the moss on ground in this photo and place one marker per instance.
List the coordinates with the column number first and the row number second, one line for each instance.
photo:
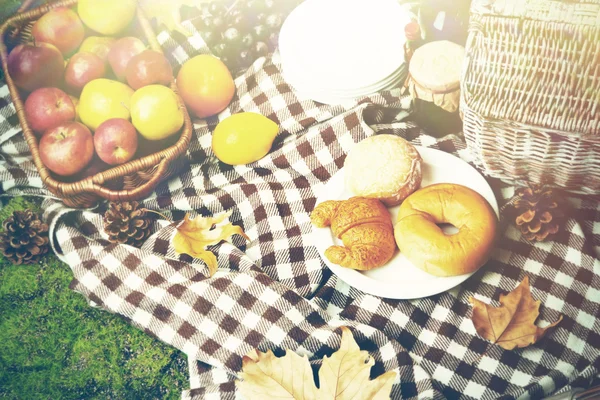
column 8, row 8
column 53, row 345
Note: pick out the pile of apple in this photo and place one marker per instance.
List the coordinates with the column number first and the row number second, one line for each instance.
column 94, row 100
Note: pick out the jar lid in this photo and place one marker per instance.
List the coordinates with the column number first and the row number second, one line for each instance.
column 437, row 66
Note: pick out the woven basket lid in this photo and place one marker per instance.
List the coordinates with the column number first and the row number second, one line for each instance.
column 436, row 66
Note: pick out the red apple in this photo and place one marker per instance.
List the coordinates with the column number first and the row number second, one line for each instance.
column 32, row 66
column 67, row 148
column 82, row 68
column 61, row 27
column 46, row 108
column 121, row 52
column 116, row 141
column 147, row 68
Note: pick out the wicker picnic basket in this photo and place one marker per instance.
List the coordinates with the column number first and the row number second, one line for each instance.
column 530, row 92
column 130, row 181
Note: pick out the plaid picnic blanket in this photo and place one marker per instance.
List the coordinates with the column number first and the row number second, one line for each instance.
column 274, row 292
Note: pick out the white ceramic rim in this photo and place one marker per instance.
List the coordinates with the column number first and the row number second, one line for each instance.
column 399, row 76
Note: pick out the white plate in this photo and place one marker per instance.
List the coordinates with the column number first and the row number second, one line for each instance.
column 399, row 278
column 400, row 73
column 327, row 98
column 343, row 44
column 340, row 94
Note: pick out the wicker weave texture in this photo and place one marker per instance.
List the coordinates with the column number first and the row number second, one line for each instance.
column 520, row 155
column 130, row 181
column 581, row 12
column 530, row 99
column 536, row 73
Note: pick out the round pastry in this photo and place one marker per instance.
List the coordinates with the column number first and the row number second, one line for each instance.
column 384, row 167
column 423, row 242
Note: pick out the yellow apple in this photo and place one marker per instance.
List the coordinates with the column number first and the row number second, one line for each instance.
column 156, row 112
column 107, row 17
column 103, row 99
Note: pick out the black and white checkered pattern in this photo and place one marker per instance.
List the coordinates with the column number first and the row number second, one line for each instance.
column 275, row 293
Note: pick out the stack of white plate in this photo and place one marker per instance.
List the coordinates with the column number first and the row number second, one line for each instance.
column 337, row 50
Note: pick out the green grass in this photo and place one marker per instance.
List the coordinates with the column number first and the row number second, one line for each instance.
column 8, row 8
column 53, row 345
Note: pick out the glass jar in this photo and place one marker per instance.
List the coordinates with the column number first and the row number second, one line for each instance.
column 434, row 85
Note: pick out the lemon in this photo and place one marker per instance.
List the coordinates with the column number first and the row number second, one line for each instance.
column 155, row 112
column 107, row 17
column 103, row 99
column 243, row 138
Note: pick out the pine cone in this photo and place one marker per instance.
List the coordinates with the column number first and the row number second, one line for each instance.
column 25, row 237
column 127, row 223
column 539, row 214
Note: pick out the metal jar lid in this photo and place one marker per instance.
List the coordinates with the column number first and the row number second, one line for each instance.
column 436, row 66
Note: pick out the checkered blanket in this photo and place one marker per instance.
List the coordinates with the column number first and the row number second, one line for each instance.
column 274, row 292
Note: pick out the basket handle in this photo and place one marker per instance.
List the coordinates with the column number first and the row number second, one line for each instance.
column 160, row 160
column 24, row 7
column 26, row 4
column 139, row 192
column 17, row 19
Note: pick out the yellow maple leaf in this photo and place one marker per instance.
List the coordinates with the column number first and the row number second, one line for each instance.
column 512, row 324
column 194, row 235
column 343, row 376
column 167, row 12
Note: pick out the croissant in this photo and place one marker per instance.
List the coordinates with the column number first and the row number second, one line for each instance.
column 365, row 227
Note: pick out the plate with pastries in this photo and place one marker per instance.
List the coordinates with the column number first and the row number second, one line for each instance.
column 404, row 222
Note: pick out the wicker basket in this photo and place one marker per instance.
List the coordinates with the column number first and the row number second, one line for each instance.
column 530, row 92
column 130, row 181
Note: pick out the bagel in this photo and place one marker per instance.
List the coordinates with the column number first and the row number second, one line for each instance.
column 423, row 242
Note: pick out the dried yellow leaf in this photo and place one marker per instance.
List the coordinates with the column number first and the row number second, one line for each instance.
column 193, row 236
column 512, row 324
column 346, row 373
column 343, row 376
column 266, row 376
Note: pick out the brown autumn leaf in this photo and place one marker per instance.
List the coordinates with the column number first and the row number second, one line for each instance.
column 343, row 376
column 512, row 324
column 194, row 235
